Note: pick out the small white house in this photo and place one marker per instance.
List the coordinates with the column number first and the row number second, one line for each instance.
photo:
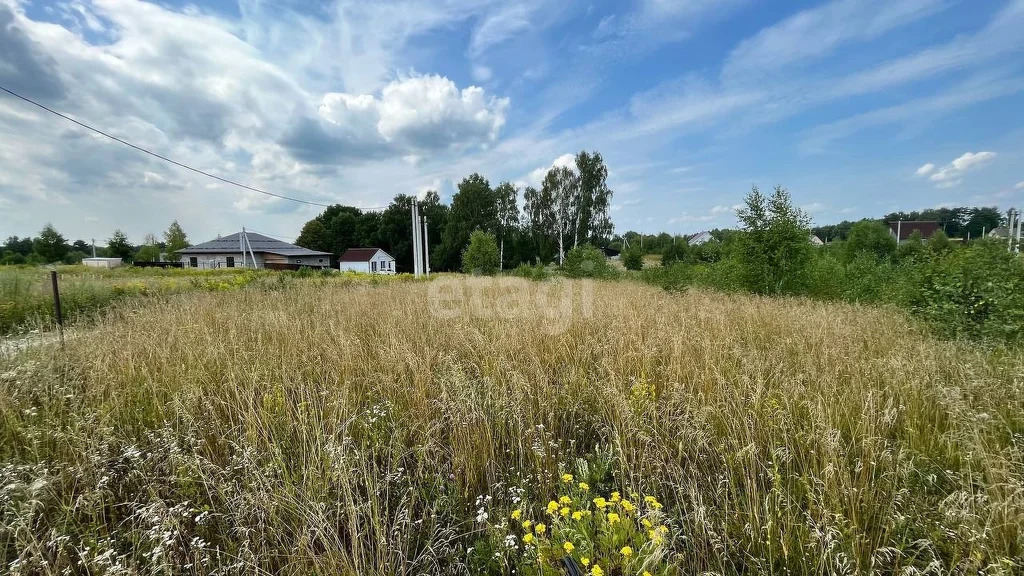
column 699, row 238
column 367, row 260
column 101, row 262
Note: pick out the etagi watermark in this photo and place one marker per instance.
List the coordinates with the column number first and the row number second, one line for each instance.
column 555, row 303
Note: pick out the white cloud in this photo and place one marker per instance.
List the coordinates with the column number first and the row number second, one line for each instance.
column 536, row 176
column 925, row 170
column 1019, row 186
column 722, row 209
column 417, row 113
column 952, row 174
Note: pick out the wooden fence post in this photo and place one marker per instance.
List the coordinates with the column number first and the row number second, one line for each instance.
column 58, row 315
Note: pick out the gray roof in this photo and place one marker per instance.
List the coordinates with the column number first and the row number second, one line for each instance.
column 260, row 244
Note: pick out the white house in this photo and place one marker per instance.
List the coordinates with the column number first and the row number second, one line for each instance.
column 227, row 252
column 699, row 238
column 367, row 260
column 101, row 262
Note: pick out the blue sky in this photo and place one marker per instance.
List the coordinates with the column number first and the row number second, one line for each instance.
column 858, row 107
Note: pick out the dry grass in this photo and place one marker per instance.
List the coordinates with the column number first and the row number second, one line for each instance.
column 327, row 428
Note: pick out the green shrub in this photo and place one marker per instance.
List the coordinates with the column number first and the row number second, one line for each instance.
column 481, row 255
column 973, row 293
column 534, row 272
column 633, row 259
column 674, row 277
column 585, row 261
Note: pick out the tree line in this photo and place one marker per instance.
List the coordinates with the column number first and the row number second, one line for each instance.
column 51, row 246
column 571, row 208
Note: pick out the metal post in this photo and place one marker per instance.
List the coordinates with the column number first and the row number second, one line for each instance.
column 57, row 313
column 426, row 248
column 415, row 241
column 241, row 244
column 1017, row 250
column 1009, row 234
column 899, row 229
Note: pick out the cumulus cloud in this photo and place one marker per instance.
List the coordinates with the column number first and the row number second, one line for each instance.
column 925, row 170
column 411, row 116
column 723, row 209
column 537, row 175
column 952, row 174
column 1019, row 186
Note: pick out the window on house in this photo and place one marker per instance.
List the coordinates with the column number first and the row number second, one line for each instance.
column 231, row 261
column 373, row 266
column 298, row 261
column 193, row 262
column 320, row 260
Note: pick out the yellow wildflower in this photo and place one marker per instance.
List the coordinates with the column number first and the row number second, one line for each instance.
column 616, row 497
column 584, row 486
column 647, row 523
column 663, row 529
column 528, row 538
column 567, row 478
column 540, row 528
column 652, row 502
column 646, row 573
column 568, row 547
column 585, row 561
column 626, row 551
column 527, row 524
column 517, row 514
column 577, row 515
column 552, row 507
column 600, row 502
column 564, row 511
column 596, row 571
column 628, row 506
column 613, row 517
column 565, row 500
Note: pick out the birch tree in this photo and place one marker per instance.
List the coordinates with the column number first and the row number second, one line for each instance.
column 505, row 197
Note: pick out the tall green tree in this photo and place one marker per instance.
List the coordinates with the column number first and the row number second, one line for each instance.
column 175, row 240
column 118, row 246
column 870, row 236
column 473, row 208
column 506, row 200
column 774, row 248
column 50, row 245
column 561, row 186
column 481, row 255
column 539, row 213
column 592, row 204
column 314, row 236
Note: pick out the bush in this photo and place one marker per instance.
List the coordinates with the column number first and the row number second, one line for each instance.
column 535, row 272
column 633, row 259
column 585, row 261
column 973, row 293
column 673, row 277
column 481, row 256
column 872, row 237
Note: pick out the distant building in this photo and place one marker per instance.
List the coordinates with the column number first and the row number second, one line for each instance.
column 1000, row 232
column 227, row 252
column 367, row 260
column 611, row 253
column 816, row 241
column 904, row 229
column 699, row 238
column 101, row 262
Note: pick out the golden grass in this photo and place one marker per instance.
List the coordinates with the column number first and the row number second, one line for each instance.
column 341, row 428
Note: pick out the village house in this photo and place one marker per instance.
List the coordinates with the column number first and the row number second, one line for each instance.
column 367, row 260
column 902, row 230
column 699, row 238
column 259, row 252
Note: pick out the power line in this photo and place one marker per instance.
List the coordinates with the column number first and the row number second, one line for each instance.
column 166, row 159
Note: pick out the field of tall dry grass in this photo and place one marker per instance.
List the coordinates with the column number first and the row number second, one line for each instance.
column 427, row 428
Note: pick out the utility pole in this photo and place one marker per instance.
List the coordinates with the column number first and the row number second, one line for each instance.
column 899, row 228
column 241, row 245
column 426, row 247
column 1017, row 249
column 1009, row 244
column 417, row 253
column 93, row 247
